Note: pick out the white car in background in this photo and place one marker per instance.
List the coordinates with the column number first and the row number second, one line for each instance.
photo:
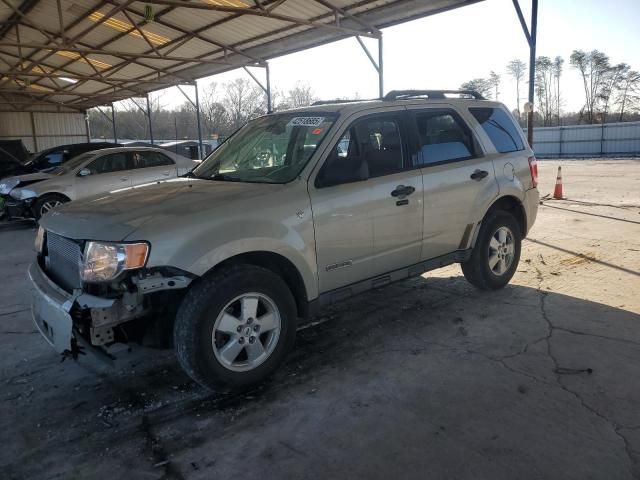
column 90, row 173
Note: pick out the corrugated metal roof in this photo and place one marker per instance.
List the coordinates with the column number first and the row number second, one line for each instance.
column 89, row 53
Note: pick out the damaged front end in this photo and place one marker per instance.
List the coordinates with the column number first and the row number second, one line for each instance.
column 76, row 316
column 15, row 200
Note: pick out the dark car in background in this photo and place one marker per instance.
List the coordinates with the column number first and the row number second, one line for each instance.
column 56, row 156
column 13, row 154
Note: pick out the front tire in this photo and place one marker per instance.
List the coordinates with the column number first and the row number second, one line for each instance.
column 46, row 203
column 235, row 327
column 495, row 257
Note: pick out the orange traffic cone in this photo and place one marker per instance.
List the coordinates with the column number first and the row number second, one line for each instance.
column 557, row 192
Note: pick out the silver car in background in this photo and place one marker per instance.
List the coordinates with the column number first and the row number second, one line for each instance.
column 90, row 173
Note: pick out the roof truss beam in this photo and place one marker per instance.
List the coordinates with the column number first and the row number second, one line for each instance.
column 264, row 13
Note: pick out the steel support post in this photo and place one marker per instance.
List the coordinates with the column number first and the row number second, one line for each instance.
column 86, row 125
column 532, row 67
column 377, row 65
column 149, row 119
column 268, row 89
column 113, row 123
column 380, row 69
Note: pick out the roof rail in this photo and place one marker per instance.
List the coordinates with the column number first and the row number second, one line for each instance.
column 431, row 94
column 337, row 101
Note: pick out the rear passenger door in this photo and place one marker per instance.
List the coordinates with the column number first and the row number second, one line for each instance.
column 151, row 166
column 369, row 227
column 459, row 181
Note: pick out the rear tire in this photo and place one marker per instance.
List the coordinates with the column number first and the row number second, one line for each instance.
column 47, row 202
column 495, row 257
column 235, row 327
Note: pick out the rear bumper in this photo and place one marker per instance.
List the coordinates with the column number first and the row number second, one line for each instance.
column 531, row 202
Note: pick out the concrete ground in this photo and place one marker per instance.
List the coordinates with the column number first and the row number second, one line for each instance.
column 427, row 378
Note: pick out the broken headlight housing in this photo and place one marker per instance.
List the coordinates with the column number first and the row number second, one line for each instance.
column 104, row 261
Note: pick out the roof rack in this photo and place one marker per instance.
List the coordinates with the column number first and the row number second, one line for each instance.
column 337, row 101
column 431, row 94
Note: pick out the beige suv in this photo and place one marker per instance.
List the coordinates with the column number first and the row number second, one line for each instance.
column 295, row 211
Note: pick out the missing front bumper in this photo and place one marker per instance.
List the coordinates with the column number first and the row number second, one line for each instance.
column 51, row 307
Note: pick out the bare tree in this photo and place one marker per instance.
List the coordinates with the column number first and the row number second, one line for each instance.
column 481, row 85
column 243, row 101
column 517, row 69
column 628, row 93
column 611, row 85
column 593, row 67
column 214, row 115
column 544, row 88
column 301, row 95
column 556, row 69
column 494, row 80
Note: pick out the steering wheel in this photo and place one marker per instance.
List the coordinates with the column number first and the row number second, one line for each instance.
column 264, row 158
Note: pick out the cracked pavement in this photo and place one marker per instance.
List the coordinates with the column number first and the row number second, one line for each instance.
column 427, row 378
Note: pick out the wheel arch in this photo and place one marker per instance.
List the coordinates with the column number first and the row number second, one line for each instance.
column 510, row 204
column 53, row 192
column 40, row 198
column 281, row 266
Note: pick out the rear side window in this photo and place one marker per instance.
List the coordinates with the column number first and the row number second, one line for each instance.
column 500, row 128
column 443, row 137
column 147, row 159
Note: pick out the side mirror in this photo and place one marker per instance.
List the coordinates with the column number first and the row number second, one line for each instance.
column 338, row 170
column 84, row 172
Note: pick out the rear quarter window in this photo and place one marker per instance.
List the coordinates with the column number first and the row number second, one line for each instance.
column 500, row 128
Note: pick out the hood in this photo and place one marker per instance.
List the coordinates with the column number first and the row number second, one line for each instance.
column 113, row 216
column 8, row 184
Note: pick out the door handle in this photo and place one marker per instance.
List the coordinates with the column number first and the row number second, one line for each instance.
column 403, row 191
column 166, row 174
column 124, row 179
column 479, row 174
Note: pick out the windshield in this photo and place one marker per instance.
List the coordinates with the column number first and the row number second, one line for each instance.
column 269, row 149
column 72, row 164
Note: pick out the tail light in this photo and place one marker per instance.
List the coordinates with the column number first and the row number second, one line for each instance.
column 533, row 168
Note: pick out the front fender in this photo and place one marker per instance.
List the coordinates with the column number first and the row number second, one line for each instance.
column 57, row 189
column 298, row 257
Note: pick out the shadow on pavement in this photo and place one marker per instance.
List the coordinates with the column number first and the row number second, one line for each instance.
column 408, row 378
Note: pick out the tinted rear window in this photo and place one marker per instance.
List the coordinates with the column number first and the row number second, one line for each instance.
column 500, row 128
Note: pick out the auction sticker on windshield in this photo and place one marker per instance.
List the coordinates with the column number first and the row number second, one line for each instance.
column 305, row 121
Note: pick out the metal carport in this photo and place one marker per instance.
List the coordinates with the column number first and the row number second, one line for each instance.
column 61, row 56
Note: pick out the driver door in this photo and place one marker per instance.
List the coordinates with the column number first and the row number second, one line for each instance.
column 107, row 173
column 369, row 227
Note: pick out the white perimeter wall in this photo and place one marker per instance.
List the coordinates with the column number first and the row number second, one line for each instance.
column 44, row 130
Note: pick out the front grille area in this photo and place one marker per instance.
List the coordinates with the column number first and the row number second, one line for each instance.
column 63, row 261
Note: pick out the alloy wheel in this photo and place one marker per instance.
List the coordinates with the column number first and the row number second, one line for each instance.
column 501, row 250
column 246, row 332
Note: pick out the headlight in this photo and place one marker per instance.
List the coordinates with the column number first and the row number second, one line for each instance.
column 7, row 185
column 104, row 261
column 22, row 193
column 39, row 240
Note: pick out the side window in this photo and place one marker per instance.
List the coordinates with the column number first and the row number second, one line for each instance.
column 52, row 159
column 443, row 137
column 114, row 162
column 380, row 145
column 371, row 147
column 500, row 128
column 146, row 159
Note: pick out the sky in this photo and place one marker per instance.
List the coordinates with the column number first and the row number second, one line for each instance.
column 445, row 50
